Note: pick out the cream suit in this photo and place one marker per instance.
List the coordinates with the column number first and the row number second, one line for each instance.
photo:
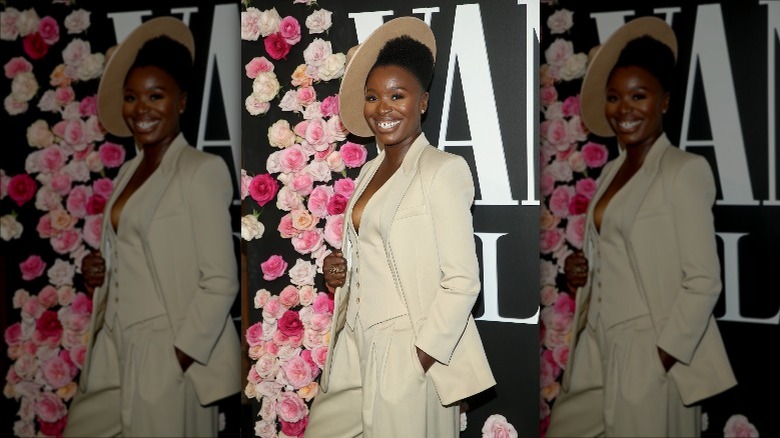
column 668, row 231
column 188, row 249
column 426, row 228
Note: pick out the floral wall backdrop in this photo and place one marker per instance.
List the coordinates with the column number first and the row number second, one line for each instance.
column 55, row 177
column 56, row 174
column 299, row 166
column 572, row 159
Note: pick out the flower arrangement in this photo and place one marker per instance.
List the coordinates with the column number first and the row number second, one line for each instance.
column 306, row 179
column 63, row 188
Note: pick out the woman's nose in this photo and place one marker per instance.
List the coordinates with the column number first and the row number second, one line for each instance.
column 383, row 108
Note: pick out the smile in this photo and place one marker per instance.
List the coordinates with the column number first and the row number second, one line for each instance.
column 146, row 125
column 388, row 125
column 629, row 125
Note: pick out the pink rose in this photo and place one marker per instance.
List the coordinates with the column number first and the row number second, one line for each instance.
column 330, row 106
column 353, row 154
column 88, row 106
column 306, row 96
column 273, row 268
column 548, row 95
column 297, row 372
column 258, row 65
column 560, row 199
column 92, row 230
column 286, row 228
column 49, row 407
column 49, row 30
column 308, row 241
column 290, row 407
column 276, row 46
column 77, row 201
column 17, row 65
column 254, row 334
column 13, row 334
column 34, row 46
column 333, row 230
column 81, row 304
column 323, row 304
column 292, row 159
column 111, row 154
column 64, row 96
column 49, row 325
column 103, row 187
column 318, row 200
column 57, row 372
column 550, row 240
column 289, row 296
column 738, row 426
column 317, row 134
column 302, row 184
column 497, row 426
column 290, row 30
column 51, row 159
column 61, row 183
column 263, row 188
column 586, row 187
column 32, row 267
column 21, row 188
column 66, row 241
column 556, row 132
column 77, row 355
column 75, row 134
column 595, row 154
column 571, row 106
column 48, row 296
column 575, row 230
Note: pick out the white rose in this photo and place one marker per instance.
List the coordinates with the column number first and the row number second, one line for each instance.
column 318, row 170
column 48, row 102
column 91, row 67
column 319, row 21
column 265, row 86
column 560, row 21
column 14, row 107
column 273, row 163
column 332, row 67
column 250, row 18
column 9, row 30
column 28, row 22
column 317, row 52
column 77, row 21
column 312, row 111
column 10, row 228
column 269, row 22
column 255, row 107
column 280, row 135
column 75, row 52
column 39, row 135
column 251, row 228
column 24, row 86
column 95, row 131
column 574, row 67
column 302, row 273
column 289, row 102
column 71, row 112
column 61, row 273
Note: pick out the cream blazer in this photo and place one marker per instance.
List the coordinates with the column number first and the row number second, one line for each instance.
column 427, row 230
column 189, row 250
column 672, row 251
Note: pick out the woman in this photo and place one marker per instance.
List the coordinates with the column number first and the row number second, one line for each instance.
column 404, row 348
column 162, row 345
column 645, row 348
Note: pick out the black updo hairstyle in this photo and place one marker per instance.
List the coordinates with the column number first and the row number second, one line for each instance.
column 651, row 55
column 168, row 55
column 410, row 54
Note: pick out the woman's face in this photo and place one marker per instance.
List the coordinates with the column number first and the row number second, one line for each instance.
column 635, row 105
column 152, row 105
column 394, row 104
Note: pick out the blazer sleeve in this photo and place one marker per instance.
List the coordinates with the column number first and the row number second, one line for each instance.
column 692, row 195
column 210, row 193
column 450, row 196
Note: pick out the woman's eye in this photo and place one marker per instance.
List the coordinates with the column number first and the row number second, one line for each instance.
column 639, row 97
column 156, row 97
column 397, row 96
column 129, row 98
column 370, row 98
column 611, row 98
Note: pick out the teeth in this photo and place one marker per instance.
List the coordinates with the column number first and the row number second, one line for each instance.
column 388, row 125
column 146, row 125
column 629, row 125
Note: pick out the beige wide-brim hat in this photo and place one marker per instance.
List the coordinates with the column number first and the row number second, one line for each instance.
column 110, row 94
column 593, row 95
column 360, row 60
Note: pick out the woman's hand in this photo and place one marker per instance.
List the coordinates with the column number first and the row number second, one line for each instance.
column 576, row 270
column 335, row 269
column 426, row 360
column 93, row 268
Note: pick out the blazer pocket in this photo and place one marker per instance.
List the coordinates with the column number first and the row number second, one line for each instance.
column 411, row 211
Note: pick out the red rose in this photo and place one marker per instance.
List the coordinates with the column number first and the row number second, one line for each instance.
column 49, row 324
column 96, row 204
column 337, row 204
column 263, row 188
column 21, row 188
column 276, row 46
column 53, row 429
column 295, row 429
column 290, row 324
column 34, row 46
column 578, row 204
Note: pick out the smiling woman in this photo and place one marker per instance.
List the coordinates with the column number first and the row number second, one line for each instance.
column 162, row 347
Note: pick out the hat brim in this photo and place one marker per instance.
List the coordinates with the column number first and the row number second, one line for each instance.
column 593, row 96
column 363, row 58
column 110, row 91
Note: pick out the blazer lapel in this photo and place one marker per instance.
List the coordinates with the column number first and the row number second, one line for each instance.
column 642, row 181
column 402, row 179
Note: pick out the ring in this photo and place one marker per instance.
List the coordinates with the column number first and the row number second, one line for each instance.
column 332, row 270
